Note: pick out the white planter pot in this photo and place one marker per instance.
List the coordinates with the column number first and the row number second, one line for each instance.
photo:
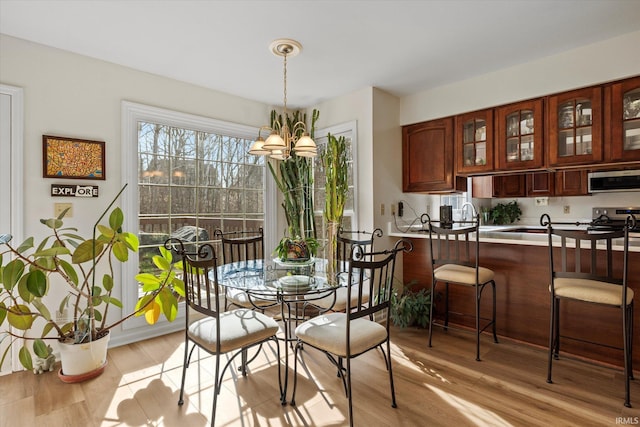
column 78, row 359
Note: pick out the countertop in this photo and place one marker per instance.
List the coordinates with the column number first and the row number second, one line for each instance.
column 505, row 234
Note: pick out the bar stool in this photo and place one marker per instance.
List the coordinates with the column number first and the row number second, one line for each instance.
column 455, row 262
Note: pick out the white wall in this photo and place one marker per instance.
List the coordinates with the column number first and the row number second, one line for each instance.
column 71, row 95
column 356, row 106
column 596, row 63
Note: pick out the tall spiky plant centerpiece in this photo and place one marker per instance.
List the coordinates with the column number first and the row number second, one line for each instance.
column 336, row 172
column 294, row 179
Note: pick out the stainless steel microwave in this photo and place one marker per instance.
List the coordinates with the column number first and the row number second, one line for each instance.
column 626, row 180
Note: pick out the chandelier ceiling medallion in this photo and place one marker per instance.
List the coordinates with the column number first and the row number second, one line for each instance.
column 282, row 140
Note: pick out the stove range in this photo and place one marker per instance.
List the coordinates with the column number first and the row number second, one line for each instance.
column 605, row 219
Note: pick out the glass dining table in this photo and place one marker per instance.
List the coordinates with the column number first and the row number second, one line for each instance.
column 293, row 286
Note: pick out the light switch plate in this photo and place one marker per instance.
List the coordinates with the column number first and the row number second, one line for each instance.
column 58, row 208
column 542, row 201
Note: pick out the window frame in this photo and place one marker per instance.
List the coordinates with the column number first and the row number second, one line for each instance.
column 350, row 130
column 132, row 113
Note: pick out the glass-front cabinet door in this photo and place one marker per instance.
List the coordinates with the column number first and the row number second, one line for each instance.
column 575, row 127
column 625, row 120
column 520, row 136
column 474, row 142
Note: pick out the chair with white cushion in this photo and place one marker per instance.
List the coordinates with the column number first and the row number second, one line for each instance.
column 585, row 272
column 345, row 241
column 455, row 258
column 214, row 330
column 363, row 326
column 242, row 246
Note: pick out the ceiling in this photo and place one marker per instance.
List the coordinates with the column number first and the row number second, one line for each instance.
column 398, row 46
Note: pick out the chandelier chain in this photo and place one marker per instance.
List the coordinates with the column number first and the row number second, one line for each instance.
column 285, row 83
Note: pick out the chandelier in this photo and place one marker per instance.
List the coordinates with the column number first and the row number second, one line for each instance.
column 282, row 141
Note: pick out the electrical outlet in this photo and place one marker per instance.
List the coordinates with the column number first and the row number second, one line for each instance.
column 58, row 208
column 567, row 209
column 382, row 209
column 393, row 209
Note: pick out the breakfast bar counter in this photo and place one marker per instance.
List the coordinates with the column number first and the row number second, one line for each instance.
column 520, row 261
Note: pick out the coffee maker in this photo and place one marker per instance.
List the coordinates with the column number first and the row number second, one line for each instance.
column 446, row 216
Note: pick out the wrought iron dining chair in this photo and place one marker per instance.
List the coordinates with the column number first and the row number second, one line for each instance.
column 345, row 241
column 455, row 260
column 363, row 326
column 242, row 246
column 216, row 331
column 585, row 272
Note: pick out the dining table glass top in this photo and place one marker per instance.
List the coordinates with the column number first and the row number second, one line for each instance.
column 272, row 277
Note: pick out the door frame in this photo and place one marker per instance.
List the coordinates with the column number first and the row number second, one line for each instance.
column 12, row 179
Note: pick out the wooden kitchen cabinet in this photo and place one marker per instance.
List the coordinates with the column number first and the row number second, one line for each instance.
column 571, row 182
column 519, row 136
column 575, row 127
column 540, row 184
column 623, row 121
column 427, row 158
column 474, row 142
column 535, row 184
column 487, row 187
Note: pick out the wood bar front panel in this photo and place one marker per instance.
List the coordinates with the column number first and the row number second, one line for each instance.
column 523, row 300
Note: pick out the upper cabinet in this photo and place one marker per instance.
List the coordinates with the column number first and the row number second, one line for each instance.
column 427, row 157
column 624, row 142
column 575, row 127
column 519, row 140
column 474, row 142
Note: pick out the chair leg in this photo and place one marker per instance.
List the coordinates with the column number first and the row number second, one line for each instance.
column 295, row 375
column 495, row 335
column 552, row 330
column 184, row 371
column 630, row 323
column 446, row 305
column 393, row 390
column 216, row 390
column 478, row 296
column 431, row 314
column 626, row 338
column 349, row 391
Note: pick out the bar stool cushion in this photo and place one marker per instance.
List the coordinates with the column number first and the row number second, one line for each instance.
column 238, row 328
column 328, row 332
column 454, row 273
column 591, row 291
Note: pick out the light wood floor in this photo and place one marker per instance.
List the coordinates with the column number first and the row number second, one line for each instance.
column 438, row 386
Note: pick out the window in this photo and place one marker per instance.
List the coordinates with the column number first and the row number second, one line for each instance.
column 350, row 219
column 193, row 176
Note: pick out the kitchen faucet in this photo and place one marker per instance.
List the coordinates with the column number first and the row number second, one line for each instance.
column 463, row 211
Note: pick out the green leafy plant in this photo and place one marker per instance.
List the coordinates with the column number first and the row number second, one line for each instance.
column 294, row 179
column 292, row 249
column 410, row 307
column 334, row 164
column 65, row 264
column 506, row 213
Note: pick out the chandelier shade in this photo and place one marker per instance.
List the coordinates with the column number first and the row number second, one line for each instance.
column 283, row 141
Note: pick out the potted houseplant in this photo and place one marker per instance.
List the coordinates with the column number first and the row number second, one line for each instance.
column 334, row 164
column 65, row 265
column 294, row 179
column 506, row 213
column 410, row 307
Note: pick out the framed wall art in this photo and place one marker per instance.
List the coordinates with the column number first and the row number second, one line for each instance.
column 72, row 158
